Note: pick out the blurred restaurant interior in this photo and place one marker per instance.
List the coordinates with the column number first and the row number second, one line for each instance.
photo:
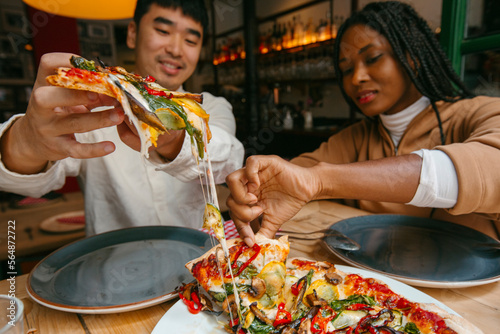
column 271, row 59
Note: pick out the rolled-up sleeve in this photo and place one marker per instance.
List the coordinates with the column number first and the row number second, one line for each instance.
column 36, row 185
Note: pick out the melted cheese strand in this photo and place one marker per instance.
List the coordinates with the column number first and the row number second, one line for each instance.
column 144, row 134
column 213, row 199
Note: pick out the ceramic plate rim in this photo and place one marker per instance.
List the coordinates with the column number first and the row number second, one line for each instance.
column 111, row 308
column 398, row 287
column 408, row 280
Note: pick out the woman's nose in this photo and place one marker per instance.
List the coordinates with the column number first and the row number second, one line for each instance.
column 360, row 74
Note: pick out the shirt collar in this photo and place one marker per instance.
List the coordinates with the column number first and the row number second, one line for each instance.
column 397, row 123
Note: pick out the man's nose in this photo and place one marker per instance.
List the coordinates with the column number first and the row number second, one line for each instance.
column 174, row 45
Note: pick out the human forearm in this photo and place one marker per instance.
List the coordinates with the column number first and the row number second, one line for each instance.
column 16, row 155
column 393, row 179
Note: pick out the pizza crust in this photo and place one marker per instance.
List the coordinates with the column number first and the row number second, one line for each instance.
column 455, row 322
column 62, row 80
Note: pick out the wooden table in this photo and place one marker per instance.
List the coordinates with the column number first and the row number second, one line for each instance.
column 480, row 305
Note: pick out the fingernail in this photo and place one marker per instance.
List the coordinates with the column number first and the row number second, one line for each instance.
column 108, row 148
column 114, row 117
column 248, row 241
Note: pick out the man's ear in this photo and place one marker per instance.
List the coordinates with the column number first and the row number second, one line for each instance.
column 131, row 35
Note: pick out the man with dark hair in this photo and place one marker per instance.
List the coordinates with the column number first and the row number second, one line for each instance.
column 59, row 136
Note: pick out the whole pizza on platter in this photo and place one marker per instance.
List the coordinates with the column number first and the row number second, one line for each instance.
column 260, row 290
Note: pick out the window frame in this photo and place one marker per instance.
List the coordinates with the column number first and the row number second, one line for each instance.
column 452, row 37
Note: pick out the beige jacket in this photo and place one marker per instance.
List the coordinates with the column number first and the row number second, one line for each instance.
column 472, row 131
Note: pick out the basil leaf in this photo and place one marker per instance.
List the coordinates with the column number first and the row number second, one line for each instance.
column 411, row 328
column 82, row 63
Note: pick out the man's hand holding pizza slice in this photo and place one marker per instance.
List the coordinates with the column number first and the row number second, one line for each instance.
column 54, row 114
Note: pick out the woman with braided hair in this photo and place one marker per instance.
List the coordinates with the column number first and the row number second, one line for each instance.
column 427, row 147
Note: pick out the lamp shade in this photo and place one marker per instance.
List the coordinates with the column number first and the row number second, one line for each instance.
column 87, row 9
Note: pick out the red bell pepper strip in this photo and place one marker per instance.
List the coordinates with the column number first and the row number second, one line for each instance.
column 158, row 92
column 282, row 316
column 237, row 255
column 296, row 287
column 319, row 322
column 256, row 248
column 235, row 322
column 194, row 305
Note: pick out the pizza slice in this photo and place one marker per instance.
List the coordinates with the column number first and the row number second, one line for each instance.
column 250, row 285
column 327, row 300
column 152, row 109
column 312, row 297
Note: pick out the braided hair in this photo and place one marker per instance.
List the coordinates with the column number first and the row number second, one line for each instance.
column 415, row 47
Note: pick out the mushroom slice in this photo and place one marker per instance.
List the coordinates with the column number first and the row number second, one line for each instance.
column 188, row 289
column 300, row 295
column 305, row 327
column 207, row 305
column 229, row 305
column 313, row 299
column 289, row 330
column 259, row 314
column 333, row 278
column 258, row 287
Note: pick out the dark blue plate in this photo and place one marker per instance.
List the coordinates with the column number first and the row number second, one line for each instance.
column 420, row 251
column 117, row 271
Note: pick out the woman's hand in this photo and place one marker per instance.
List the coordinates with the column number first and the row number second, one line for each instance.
column 271, row 187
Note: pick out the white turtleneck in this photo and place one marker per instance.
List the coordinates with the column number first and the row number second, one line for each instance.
column 438, row 186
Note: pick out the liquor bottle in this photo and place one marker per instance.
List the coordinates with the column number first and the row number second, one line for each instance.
column 309, row 36
column 274, row 35
column 320, row 31
column 335, row 26
column 285, row 37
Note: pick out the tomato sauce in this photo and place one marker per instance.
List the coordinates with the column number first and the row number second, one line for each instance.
column 89, row 76
column 387, row 298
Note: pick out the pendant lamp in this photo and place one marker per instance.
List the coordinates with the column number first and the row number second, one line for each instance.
column 87, row 9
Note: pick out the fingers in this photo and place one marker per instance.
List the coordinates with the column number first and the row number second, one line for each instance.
column 246, row 232
column 49, row 63
column 62, row 111
column 252, row 168
column 267, row 229
column 242, row 216
column 238, row 183
column 77, row 150
column 50, row 97
column 243, row 211
column 129, row 136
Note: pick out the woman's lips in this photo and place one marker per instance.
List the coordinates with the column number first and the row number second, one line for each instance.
column 366, row 96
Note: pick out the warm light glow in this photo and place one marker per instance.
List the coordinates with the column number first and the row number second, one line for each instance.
column 88, row 9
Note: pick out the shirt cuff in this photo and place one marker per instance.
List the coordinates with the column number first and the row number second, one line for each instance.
column 438, row 187
column 183, row 167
